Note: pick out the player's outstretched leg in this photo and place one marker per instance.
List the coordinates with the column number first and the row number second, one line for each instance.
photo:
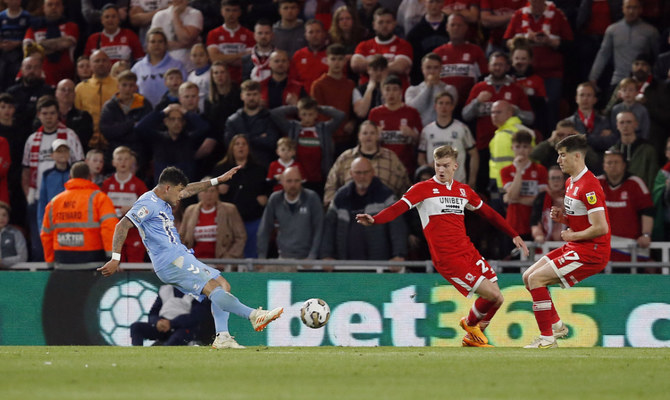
column 223, row 339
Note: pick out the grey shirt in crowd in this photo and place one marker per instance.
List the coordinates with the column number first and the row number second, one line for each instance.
column 622, row 43
column 300, row 225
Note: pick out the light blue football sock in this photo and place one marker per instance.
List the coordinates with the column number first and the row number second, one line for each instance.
column 227, row 302
column 220, row 318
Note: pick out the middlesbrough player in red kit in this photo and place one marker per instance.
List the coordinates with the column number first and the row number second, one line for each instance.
column 441, row 202
column 588, row 235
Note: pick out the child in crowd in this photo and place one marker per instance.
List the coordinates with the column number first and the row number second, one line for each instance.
column 84, row 71
column 522, row 181
column 14, row 248
column 286, row 152
column 173, row 79
column 200, row 74
column 314, row 149
column 95, row 159
column 627, row 93
column 53, row 179
column 118, row 68
column 124, row 188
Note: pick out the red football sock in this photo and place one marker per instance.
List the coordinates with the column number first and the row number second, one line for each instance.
column 487, row 318
column 554, row 315
column 478, row 311
column 542, row 306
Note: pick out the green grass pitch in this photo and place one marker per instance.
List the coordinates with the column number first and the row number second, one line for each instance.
column 332, row 373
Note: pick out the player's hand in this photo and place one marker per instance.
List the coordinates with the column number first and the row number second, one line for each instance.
column 229, row 174
column 644, row 241
column 568, row 235
column 521, row 245
column 365, row 219
column 109, row 268
column 605, row 132
column 556, row 214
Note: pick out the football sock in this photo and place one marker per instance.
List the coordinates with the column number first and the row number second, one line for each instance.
column 227, row 302
column 542, row 305
column 555, row 319
column 487, row 318
column 220, row 318
column 478, row 311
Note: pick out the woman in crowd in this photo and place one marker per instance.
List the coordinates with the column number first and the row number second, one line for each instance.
column 247, row 190
column 346, row 30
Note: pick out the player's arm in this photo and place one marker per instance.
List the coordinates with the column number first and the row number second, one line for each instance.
column 197, row 187
column 499, row 222
column 384, row 216
column 120, row 234
column 598, row 227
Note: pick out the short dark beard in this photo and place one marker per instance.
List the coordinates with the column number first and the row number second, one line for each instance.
column 385, row 38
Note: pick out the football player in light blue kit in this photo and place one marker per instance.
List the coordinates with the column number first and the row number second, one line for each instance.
column 173, row 262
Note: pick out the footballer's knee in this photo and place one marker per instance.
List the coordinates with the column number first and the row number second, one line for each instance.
column 498, row 300
column 536, row 280
column 221, row 281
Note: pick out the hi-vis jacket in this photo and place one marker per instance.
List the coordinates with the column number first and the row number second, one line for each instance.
column 78, row 224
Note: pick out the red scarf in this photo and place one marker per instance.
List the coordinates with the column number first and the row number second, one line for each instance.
column 261, row 69
column 546, row 20
column 588, row 122
column 34, row 157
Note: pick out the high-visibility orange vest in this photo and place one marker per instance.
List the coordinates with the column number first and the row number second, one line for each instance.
column 78, row 225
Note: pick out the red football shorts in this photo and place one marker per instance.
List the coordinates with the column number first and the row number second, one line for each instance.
column 573, row 262
column 466, row 272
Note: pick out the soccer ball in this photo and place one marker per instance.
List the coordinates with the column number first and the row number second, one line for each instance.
column 315, row 313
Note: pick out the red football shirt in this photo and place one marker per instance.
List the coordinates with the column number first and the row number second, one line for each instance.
column 308, row 66
column 547, row 61
column 64, row 67
column 308, row 153
column 583, row 196
column 624, row 204
column 204, row 234
column 500, row 7
column 392, row 138
column 532, row 85
column 441, row 209
column 462, row 66
column 391, row 49
column 232, row 42
column 277, row 168
column 533, row 181
column 123, row 45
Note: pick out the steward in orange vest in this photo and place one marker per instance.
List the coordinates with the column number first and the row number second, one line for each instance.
column 78, row 225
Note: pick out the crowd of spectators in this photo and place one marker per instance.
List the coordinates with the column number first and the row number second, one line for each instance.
column 332, row 102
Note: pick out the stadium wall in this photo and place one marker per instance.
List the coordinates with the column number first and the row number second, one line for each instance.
column 82, row 308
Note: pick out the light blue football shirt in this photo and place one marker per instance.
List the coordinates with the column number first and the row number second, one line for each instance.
column 153, row 218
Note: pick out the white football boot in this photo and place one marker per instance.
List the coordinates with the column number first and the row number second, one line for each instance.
column 542, row 343
column 261, row 318
column 225, row 341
